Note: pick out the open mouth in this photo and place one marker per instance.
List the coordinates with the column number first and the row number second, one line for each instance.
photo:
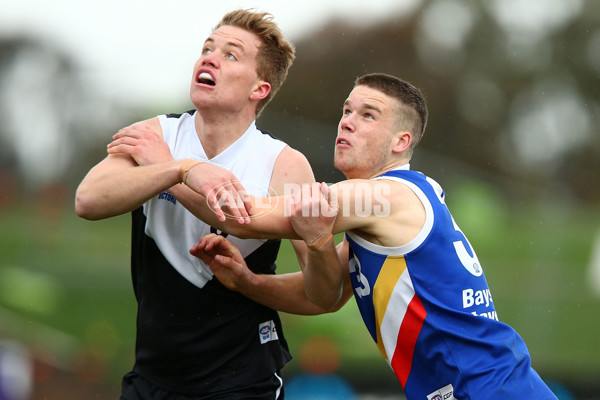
column 206, row 79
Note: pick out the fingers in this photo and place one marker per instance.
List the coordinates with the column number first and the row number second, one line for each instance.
column 231, row 201
column 215, row 206
column 208, row 248
column 238, row 201
column 130, row 132
column 198, row 249
column 235, row 202
column 121, row 144
column 314, row 200
column 228, row 262
column 224, row 247
column 213, row 244
column 131, row 135
column 133, row 130
column 128, row 138
column 224, row 193
column 210, row 242
column 247, row 204
column 331, row 198
column 310, row 199
column 313, row 213
column 204, row 242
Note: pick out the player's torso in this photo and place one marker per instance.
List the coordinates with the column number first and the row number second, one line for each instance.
column 428, row 306
column 251, row 159
column 193, row 334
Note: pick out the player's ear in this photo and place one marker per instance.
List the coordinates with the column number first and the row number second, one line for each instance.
column 401, row 141
column 260, row 90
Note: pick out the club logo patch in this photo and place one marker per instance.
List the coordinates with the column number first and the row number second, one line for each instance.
column 267, row 331
column 445, row 393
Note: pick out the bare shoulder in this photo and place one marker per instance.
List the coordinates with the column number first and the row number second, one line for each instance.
column 151, row 123
column 402, row 196
column 385, row 212
column 290, row 157
column 291, row 167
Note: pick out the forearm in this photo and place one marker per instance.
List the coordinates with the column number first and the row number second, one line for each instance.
column 283, row 292
column 106, row 192
column 324, row 275
column 268, row 221
column 196, row 204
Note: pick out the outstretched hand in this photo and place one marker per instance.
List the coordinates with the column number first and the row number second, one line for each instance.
column 225, row 261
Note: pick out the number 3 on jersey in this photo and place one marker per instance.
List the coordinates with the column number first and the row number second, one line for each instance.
column 471, row 263
column 363, row 288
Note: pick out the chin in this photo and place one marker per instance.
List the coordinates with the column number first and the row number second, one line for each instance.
column 343, row 168
column 338, row 165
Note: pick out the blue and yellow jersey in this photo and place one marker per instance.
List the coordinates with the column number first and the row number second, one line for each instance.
column 428, row 307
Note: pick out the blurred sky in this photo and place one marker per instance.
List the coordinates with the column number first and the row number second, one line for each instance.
column 144, row 50
column 141, row 53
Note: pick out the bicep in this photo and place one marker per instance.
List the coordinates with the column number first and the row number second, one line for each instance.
column 270, row 218
column 110, row 163
column 291, row 168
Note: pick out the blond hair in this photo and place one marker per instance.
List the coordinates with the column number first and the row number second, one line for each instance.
column 275, row 56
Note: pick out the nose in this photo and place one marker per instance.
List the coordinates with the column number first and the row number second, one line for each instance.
column 346, row 123
column 210, row 59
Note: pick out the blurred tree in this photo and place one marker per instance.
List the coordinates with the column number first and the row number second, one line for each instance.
column 510, row 86
column 510, row 95
column 51, row 115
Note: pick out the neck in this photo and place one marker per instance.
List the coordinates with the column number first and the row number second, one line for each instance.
column 355, row 174
column 216, row 133
column 392, row 167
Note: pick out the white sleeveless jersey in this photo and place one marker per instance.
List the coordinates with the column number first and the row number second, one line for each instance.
column 174, row 229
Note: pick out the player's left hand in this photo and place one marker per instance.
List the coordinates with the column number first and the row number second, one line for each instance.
column 225, row 260
column 142, row 143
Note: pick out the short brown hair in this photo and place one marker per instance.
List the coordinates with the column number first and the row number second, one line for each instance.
column 413, row 109
column 275, row 56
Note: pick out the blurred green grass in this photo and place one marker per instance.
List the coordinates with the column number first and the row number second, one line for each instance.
column 71, row 278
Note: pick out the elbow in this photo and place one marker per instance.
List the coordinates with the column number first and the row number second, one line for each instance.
column 84, row 207
column 335, row 307
column 83, row 212
column 327, row 304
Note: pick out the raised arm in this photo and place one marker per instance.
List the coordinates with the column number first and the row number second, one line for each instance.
column 117, row 185
column 139, row 166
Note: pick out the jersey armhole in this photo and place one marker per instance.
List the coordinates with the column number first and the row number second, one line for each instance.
column 421, row 236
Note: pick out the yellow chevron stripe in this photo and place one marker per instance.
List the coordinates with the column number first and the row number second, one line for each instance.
column 388, row 276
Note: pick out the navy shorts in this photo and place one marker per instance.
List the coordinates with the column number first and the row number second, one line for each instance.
column 134, row 387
